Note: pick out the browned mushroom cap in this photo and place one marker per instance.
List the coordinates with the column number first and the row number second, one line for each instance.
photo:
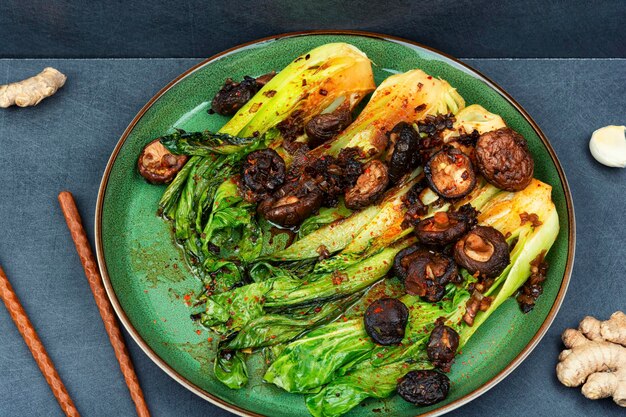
column 504, row 159
column 292, row 203
column 428, row 273
column 424, row 387
column 404, row 152
column 263, row 172
column 386, row 320
column 444, row 228
column 484, row 251
column 442, row 346
column 450, row 173
column 234, row 95
column 265, row 78
column 158, row 165
column 402, row 261
column 369, row 186
column 324, row 127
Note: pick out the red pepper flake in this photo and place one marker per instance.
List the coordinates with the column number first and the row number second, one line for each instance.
column 344, row 318
column 210, row 339
column 338, row 277
column 378, row 310
column 273, row 336
column 198, row 332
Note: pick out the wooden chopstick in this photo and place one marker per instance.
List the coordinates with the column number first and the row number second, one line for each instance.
column 74, row 223
column 26, row 329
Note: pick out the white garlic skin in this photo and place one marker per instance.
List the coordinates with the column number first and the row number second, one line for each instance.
column 608, row 146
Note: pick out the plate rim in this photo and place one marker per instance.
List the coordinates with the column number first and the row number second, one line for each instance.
column 571, row 246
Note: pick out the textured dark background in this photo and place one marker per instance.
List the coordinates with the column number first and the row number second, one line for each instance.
column 64, row 143
column 198, row 28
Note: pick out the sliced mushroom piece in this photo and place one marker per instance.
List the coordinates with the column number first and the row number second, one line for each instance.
column 386, row 320
column 442, row 346
column 263, row 172
column 445, row 227
column 326, row 126
column 158, row 165
column 370, row 185
column 404, row 152
column 424, row 387
column 292, row 203
column 428, row 273
column 450, row 173
column 484, row 251
column 504, row 160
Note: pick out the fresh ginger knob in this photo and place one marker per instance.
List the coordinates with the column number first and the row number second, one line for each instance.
column 31, row 91
column 596, row 358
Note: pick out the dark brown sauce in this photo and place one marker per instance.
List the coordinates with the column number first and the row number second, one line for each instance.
column 275, row 231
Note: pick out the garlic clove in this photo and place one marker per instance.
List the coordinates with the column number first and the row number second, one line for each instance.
column 608, row 146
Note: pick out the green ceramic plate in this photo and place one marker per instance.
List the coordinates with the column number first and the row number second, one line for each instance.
column 146, row 278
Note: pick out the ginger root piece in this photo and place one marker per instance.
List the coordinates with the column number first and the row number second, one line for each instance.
column 31, row 91
column 596, row 357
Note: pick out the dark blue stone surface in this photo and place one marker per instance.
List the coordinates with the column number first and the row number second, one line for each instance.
column 65, row 142
column 196, row 28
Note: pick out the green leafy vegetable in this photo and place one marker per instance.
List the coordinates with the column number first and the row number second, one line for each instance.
column 356, row 369
column 231, row 370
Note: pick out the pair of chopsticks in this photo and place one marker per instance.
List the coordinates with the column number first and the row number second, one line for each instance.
column 26, row 329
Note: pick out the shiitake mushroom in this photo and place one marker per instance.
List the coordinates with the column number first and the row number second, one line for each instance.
column 484, row 251
column 157, row 164
column 234, row 95
column 424, row 387
column 450, row 173
column 292, row 203
column 403, row 155
column 386, row 320
column 445, row 227
column 326, row 126
column 370, row 185
column 442, row 346
column 428, row 273
column 402, row 261
column 263, row 171
column 504, row 160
